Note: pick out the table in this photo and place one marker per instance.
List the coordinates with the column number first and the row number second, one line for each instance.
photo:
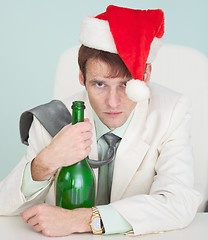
column 13, row 228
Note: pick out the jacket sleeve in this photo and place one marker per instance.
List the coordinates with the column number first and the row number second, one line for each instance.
column 12, row 200
column 172, row 201
column 29, row 186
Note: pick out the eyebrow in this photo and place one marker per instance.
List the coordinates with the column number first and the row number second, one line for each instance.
column 97, row 80
column 104, row 81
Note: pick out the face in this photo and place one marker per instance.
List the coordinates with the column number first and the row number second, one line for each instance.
column 107, row 95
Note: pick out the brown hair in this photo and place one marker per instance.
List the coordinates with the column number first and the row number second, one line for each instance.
column 118, row 68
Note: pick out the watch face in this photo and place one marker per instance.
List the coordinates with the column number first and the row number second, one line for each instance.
column 96, row 224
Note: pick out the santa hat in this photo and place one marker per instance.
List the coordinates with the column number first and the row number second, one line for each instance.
column 136, row 35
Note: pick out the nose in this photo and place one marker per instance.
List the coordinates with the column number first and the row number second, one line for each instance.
column 113, row 98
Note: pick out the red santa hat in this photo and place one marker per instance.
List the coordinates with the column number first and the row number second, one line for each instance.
column 136, row 35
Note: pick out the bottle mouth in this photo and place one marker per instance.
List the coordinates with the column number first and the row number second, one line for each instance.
column 78, row 105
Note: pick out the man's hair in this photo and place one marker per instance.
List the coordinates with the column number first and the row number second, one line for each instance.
column 116, row 64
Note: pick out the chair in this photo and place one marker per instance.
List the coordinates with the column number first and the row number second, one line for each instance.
column 180, row 68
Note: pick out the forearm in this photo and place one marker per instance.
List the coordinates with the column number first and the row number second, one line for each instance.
column 174, row 208
column 41, row 169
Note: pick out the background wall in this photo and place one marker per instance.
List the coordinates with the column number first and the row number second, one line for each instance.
column 33, row 35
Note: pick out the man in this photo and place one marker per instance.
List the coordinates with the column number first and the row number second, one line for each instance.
column 152, row 183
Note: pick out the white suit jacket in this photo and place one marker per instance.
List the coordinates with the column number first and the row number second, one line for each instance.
column 153, row 179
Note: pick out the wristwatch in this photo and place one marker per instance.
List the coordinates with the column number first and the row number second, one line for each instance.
column 96, row 222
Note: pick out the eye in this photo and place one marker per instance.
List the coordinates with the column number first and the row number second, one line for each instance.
column 124, row 84
column 99, row 85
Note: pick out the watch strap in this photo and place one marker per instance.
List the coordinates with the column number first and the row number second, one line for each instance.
column 96, row 214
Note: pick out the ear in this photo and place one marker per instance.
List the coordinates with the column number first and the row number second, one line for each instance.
column 81, row 78
column 147, row 73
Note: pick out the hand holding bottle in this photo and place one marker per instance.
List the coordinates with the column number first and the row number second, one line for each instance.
column 70, row 145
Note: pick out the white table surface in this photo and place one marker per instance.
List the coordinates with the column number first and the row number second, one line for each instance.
column 13, row 228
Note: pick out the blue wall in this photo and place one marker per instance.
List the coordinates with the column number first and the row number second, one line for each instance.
column 33, row 35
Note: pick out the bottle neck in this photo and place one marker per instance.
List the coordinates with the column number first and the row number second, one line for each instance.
column 77, row 116
column 78, row 112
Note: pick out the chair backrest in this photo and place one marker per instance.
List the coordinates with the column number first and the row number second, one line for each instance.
column 179, row 68
column 67, row 74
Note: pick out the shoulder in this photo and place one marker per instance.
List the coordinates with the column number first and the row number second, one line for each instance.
column 159, row 91
column 167, row 107
column 164, row 98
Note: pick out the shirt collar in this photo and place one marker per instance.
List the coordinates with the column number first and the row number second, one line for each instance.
column 102, row 129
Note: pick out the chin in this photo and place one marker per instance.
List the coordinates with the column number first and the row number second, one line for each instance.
column 112, row 127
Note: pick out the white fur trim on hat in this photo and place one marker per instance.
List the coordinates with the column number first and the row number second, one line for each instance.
column 137, row 90
column 154, row 48
column 95, row 33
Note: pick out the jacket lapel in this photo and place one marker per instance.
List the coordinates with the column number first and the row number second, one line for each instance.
column 131, row 152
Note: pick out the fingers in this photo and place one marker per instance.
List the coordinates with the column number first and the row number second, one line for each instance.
column 83, row 126
column 85, row 136
column 34, row 211
column 32, row 216
column 33, row 222
column 29, row 213
column 36, row 223
column 75, row 129
column 86, row 120
column 79, row 134
column 37, row 228
column 85, row 151
column 72, row 131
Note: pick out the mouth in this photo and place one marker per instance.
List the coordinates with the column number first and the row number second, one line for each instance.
column 113, row 114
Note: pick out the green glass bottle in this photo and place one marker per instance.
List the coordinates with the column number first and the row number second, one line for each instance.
column 75, row 186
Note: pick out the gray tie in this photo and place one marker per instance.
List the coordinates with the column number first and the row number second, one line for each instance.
column 111, row 140
column 106, row 171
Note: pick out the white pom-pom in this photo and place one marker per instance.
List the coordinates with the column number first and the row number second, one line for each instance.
column 137, row 90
